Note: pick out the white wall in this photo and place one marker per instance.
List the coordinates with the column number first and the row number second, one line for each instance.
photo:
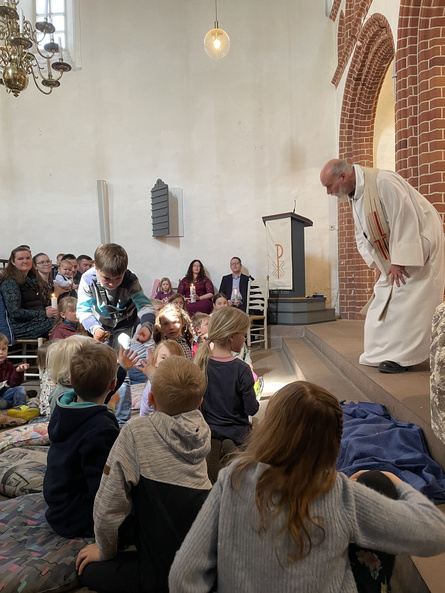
column 243, row 136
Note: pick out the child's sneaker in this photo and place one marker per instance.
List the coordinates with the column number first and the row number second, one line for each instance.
column 23, row 412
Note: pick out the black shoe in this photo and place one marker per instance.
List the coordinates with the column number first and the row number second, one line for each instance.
column 31, row 393
column 388, row 366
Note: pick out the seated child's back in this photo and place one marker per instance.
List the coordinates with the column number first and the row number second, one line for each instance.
column 158, row 466
column 82, row 431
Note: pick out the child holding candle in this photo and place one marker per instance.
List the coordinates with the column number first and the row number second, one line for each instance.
column 66, row 324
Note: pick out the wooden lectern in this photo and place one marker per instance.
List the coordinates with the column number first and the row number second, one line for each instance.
column 297, row 226
column 291, row 306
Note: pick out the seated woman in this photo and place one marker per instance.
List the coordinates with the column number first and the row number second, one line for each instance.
column 44, row 269
column 201, row 288
column 24, row 297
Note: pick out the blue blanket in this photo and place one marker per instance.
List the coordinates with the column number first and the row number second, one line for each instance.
column 372, row 439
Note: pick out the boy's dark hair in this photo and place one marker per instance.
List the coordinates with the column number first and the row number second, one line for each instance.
column 217, row 296
column 111, row 259
column 68, row 256
column 92, row 370
column 178, row 385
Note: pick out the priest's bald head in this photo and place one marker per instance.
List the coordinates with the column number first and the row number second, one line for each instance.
column 338, row 177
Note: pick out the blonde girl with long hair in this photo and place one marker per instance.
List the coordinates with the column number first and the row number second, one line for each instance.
column 230, row 398
column 281, row 518
column 164, row 290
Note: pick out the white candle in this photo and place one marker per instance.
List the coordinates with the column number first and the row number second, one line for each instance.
column 53, row 301
column 21, row 21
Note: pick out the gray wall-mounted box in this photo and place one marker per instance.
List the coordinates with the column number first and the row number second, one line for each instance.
column 167, row 213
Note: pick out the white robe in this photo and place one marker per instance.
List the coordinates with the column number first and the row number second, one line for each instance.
column 416, row 242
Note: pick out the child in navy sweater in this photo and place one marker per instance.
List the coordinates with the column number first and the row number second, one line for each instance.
column 82, row 431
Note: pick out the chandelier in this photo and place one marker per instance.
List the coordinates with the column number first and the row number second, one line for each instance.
column 20, row 54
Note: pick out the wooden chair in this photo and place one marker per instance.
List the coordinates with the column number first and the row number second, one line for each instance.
column 26, row 351
column 257, row 299
column 21, row 350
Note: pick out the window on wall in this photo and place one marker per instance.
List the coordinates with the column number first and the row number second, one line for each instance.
column 65, row 16
column 55, row 11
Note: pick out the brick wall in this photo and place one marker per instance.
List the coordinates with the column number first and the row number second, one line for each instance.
column 420, row 105
column 370, row 62
column 420, row 114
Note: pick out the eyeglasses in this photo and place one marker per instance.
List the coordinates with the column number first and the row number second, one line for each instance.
column 44, row 263
column 235, row 263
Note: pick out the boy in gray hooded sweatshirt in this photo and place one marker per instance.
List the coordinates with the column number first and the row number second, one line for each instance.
column 158, row 465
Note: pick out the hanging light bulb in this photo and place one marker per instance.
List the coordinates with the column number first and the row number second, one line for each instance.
column 216, row 42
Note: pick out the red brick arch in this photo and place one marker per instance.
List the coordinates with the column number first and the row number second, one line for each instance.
column 372, row 57
column 349, row 27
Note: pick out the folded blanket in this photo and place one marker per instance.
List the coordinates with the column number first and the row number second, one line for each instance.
column 373, row 439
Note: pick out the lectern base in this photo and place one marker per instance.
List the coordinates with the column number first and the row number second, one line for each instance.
column 299, row 311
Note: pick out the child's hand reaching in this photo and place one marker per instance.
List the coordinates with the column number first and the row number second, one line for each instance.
column 100, row 335
column 127, row 358
column 147, row 366
column 20, row 368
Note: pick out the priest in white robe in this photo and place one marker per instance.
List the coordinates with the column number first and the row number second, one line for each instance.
column 400, row 234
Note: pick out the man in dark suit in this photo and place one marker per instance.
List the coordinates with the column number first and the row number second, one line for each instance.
column 234, row 285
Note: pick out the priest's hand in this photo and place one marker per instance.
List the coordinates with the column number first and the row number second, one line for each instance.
column 397, row 274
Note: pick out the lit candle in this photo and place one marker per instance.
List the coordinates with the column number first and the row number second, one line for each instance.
column 192, row 293
column 53, row 301
column 235, row 294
